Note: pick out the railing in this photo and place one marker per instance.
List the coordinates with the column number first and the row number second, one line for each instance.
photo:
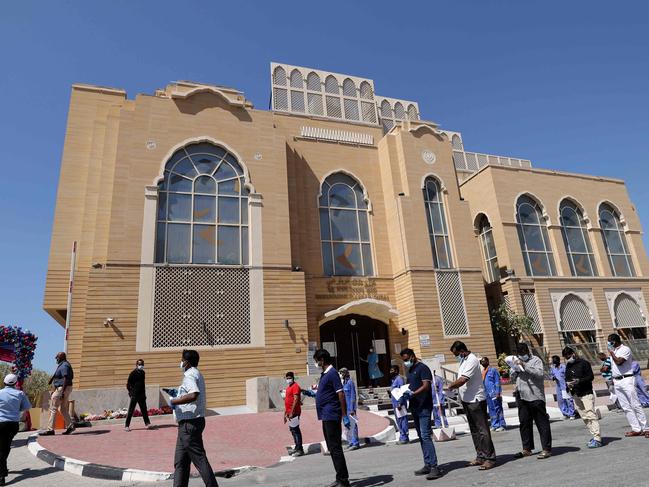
column 640, row 350
column 472, row 161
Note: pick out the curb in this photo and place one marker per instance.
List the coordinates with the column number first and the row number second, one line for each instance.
column 106, row 472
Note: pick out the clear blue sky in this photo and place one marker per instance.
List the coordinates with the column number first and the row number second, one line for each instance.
column 565, row 84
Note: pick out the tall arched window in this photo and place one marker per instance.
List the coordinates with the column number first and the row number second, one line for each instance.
column 202, row 208
column 575, row 237
column 533, row 237
column 615, row 242
column 344, row 227
column 485, row 233
column 437, row 229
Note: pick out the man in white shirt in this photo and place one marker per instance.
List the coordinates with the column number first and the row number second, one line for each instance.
column 624, row 384
column 472, row 394
column 189, row 410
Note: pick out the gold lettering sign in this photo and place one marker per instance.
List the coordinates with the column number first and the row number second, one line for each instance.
column 345, row 288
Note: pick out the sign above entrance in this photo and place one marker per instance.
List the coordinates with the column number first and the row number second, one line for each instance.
column 373, row 308
column 347, row 288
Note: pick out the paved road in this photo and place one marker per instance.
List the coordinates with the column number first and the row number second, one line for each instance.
column 572, row 464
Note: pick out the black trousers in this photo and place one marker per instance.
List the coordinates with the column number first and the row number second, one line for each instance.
column 140, row 401
column 297, row 437
column 8, row 430
column 333, row 431
column 534, row 411
column 476, row 415
column 190, row 449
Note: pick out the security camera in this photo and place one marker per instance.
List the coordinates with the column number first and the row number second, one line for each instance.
column 108, row 321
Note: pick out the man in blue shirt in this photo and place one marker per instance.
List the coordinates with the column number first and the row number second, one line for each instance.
column 12, row 403
column 60, row 398
column 330, row 404
column 350, row 398
column 421, row 407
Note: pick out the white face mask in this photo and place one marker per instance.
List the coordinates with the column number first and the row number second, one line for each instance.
column 140, row 367
column 289, row 381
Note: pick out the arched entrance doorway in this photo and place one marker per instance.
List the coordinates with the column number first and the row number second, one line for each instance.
column 350, row 337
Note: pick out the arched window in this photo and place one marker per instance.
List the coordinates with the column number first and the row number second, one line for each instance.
column 485, row 233
column 412, row 112
column 332, row 103
column 297, row 93
column 399, row 112
column 331, row 85
column 350, row 102
column 202, row 208
column 313, row 82
column 279, row 76
column 630, row 323
column 575, row 237
column 344, row 228
column 533, row 237
column 366, row 91
column 349, row 88
column 457, row 143
column 437, row 228
column 615, row 242
column 313, row 96
column 578, row 326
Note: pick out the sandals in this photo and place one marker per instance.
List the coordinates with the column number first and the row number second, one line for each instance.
column 634, row 433
column 544, row 454
column 523, row 454
column 476, row 463
column 487, row 465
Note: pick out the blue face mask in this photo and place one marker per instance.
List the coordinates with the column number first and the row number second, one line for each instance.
column 611, row 345
column 524, row 358
column 459, row 358
column 408, row 363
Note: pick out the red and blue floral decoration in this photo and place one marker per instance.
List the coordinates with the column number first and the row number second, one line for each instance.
column 17, row 346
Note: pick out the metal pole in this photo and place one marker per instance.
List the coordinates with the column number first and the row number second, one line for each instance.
column 68, row 314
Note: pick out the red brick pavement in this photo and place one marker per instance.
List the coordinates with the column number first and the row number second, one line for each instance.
column 230, row 441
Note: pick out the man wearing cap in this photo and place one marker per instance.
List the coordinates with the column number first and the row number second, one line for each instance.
column 60, row 399
column 12, row 403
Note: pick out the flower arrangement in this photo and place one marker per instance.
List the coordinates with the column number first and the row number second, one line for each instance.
column 18, row 345
column 122, row 413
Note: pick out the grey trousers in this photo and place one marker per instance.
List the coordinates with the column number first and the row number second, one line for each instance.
column 476, row 414
column 189, row 449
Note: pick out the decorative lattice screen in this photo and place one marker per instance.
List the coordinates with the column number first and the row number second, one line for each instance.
column 627, row 313
column 451, row 302
column 201, row 306
column 531, row 310
column 575, row 315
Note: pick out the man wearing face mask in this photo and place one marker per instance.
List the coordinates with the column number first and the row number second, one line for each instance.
column 493, row 390
column 420, row 403
column 624, row 384
column 579, row 382
column 530, row 390
column 330, row 405
column 189, row 410
column 558, row 372
column 292, row 411
column 351, row 422
column 472, row 394
column 60, row 398
column 136, row 387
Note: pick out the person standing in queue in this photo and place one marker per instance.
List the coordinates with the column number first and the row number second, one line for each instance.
column 402, row 422
column 12, row 403
column 189, row 410
column 493, row 390
column 472, row 394
column 558, row 372
column 61, row 380
column 420, row 403
column 292, row 412
column 330, row 405
column 136, row 387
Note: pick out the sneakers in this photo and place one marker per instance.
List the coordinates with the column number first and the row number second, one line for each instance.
column 353, row 447
column 298, row 453
column 544, row 454
column 594, row 443
column 151, row 426
column 425, row 470
column 127, row 429
column 500, row 428
column 47, row 433
column 434, row 473
column 68, row 430
column 403, row 442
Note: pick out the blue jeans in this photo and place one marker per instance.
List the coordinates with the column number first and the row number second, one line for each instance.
column 422, row 419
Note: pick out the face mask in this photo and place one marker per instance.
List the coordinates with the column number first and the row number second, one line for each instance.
column 408, row 363
column 371, row 350
column 140, row 367
column 182, row 366
column 571, row 360
column 524, row 358
column 611, row 345
column 289, row 381
column 459, row 358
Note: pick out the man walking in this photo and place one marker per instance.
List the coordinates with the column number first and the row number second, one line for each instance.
column 472, row 394
column 61, row 380
column 330, row 404
column 420, row 399
column 350, row 399
column 12, row 403
column 292, row 412
column 530, row 394
column 189, row 410
column 402, row 421
column 493, row 390
column 579, row 381
column 624, row 383
column 136, row 387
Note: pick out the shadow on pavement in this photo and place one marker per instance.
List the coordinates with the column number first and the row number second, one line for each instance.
column 19, row 443
column 609, row 439
column 30, row 473
column 93, row 432
column 372, row 481
column 560, row 450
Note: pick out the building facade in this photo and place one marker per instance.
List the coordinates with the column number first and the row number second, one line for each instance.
column 337, row 219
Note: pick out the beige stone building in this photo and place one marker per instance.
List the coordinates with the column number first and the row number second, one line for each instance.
column 338, row 219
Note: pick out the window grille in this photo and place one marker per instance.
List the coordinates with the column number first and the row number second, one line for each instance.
column 297, row 101
column 412, row 112
column 368, row 111
column 531, row 310
column 471, row 161
column 280, row 99
column 458, row 160
column 333, row 107
column 201, row 306
column 366, row 91
column 351, row 109
column 279, row 76
column 296, row 79
column 451, row 302
column 399, row 112
column 482, row 160
column 628, row 313
column 331, row 85
column 575, row 315
column 457, row 143
column 349, row 88
column 313, row 82
column 315, row 104
column 617, row 250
